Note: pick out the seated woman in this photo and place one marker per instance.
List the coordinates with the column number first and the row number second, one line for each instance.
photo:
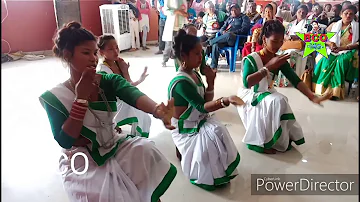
column 121, row 168
column 253, row 46
column 342, row 63
column 209, row 157
column 275, row 9
column 267, row 117
column 140, row 122
column 318, row 15
column 294, row 45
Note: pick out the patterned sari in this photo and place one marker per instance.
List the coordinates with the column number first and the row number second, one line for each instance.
column 331, row 73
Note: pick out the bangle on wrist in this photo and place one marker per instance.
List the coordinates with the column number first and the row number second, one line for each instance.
column 155, row 115
column 223, row 104
column 209, row 92
column 263, row 71
column 81, row 102
column 78, row 111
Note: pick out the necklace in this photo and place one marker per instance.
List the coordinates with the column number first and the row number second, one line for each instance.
column 105, row 144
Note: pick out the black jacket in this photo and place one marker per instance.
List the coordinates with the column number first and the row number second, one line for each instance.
column 238, row 25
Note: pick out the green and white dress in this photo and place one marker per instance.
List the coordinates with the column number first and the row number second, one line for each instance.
column 266, row 115
column 122, row 168
column 127, row 115
column 209, row 155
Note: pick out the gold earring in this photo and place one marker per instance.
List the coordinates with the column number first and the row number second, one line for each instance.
column 183, row 64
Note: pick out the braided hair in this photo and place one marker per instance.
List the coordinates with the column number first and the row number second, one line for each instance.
column 271, row 27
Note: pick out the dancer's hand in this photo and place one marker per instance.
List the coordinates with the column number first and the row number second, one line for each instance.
column 165, row 113
column 277, row 61
column 87, row 84
column 123, row 64
column 209, row 74
column 144, row 75
column 318, row 99
column 235, row 100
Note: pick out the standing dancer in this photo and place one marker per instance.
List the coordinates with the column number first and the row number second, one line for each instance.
column 112, row 64
column 268, row 119
column 209, row 157
column 121, row 168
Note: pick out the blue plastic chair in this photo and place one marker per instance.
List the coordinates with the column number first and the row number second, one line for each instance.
column 230, row 52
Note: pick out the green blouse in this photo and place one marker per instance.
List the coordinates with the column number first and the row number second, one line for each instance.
column 285, row 69
column 114, row 86
column 184, row 93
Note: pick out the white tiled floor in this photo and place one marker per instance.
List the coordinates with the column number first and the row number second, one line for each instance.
column 30, row 154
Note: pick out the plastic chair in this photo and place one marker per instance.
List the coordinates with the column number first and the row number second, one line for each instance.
column 231, row 52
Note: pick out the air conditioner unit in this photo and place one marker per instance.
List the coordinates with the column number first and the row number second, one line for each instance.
column 115, row 20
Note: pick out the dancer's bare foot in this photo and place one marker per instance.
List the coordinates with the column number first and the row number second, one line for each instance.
column 178, row 155
column 132, row 50
column 270, row 151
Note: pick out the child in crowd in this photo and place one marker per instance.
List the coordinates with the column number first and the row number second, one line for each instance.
column 191, row 12
column 199, row 21
column 144, row 20
column 112, row 64
column 315, row 28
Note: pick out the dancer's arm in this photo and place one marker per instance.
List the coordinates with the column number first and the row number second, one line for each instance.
column 290, row 74
column 296, row 81
column 66, row 131
column 251, row 77
column 209, row 93
column 124, row 68
column 134, row 97
column 184, row 93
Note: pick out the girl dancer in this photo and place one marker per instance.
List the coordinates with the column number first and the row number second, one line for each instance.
column 209, row 156
column 81, row 110
column 268, row 119
column 112, row 64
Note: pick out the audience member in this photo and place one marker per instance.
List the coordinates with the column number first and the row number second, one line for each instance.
column 335, row 10
column 236, row 24
column 251, row 12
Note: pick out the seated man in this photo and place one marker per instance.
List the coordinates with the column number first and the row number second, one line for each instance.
column 236, row 24
column 253, row 15
column 213, row 20
column 334, row 15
